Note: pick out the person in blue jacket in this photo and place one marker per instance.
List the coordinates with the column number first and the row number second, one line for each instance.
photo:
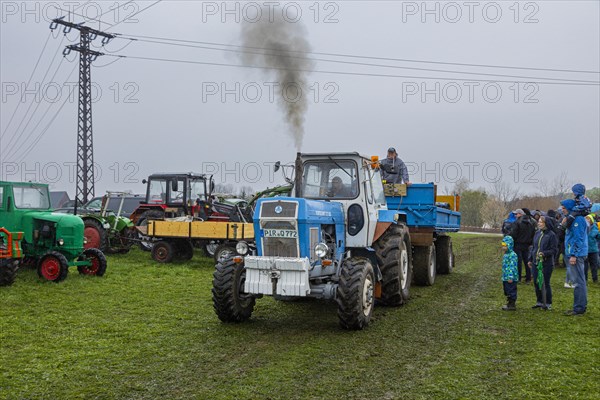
column 544, row 249
column 510, row 274
column 592, row 261
column 576, row 250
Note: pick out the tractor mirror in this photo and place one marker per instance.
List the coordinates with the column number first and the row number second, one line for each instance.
column 144, row 181
column 277, row 166
column 174, row 186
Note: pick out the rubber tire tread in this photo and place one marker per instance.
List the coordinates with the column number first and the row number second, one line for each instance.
column 226, row 302
column 349, row 293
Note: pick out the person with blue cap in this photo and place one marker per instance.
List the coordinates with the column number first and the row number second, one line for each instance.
column 576, row 250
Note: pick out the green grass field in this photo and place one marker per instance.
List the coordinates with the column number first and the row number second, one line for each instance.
column 148, row 331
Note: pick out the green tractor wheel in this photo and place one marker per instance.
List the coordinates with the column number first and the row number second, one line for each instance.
column 53, row 267
column 97, row 261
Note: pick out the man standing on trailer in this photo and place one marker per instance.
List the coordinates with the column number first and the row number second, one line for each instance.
column 393, row 169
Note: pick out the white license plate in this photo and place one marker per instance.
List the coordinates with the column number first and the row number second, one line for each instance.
column 281, row 233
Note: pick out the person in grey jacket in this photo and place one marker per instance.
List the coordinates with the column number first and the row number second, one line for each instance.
column 393, row 169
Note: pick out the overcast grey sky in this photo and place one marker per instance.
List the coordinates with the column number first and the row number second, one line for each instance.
column 154, row 116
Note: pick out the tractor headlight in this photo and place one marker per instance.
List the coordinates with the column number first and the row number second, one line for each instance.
column 84, row 240
column 321, row 250
column 241, row 248
column 61, row 242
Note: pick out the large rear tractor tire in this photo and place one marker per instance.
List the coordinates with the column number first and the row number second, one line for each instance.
column 163, row 252
column 53, row 267
column 8, row 271
column 230, row 302
column 146, row 242
column 424, row 265
column 97, row 260
column 395, row 263
column 95, row 235
column 444, row 255
column 356, row 293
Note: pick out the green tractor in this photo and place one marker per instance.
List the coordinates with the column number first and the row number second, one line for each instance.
column 51, row 241
column 106, row 229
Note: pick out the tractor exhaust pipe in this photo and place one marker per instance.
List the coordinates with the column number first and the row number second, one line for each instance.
column 298, row 176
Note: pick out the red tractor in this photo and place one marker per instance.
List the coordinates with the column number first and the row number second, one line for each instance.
column 172, row 195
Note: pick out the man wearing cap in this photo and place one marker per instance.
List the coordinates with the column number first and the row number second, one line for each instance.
column 576, row 250
column 522, row 233
column 393, row 169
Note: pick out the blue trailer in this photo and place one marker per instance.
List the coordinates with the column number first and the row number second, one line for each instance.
column 340, row 235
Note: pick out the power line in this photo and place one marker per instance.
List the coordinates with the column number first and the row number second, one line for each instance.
column 370, row 64
column 133, row 15
column 345, row 72
column 14, row 149
column 38, row 138
column 26, row 86
column 137, row 37
column 16, row 133
column 43, row 132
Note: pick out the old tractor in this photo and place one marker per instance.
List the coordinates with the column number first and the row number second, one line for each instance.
column 338, row 237
column 51, row 241
column 107, row 230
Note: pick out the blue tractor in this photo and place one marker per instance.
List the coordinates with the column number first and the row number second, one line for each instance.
column 342, row 235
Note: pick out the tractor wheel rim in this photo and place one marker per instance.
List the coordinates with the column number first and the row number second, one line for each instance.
column 367, row 295
column 50, row 268
column 161, row 253
column 92, row 236
column 92, row 269
column 403, row 269
column 432, row 265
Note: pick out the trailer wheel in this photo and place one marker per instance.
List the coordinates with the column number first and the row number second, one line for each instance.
column 444, row 255
column 230, row 302
column 395, row 263
column 146, row 242
column 53, row 266
column 225, row 251
column 424, row 265
column 163, row 251
column 185, row 250
column 355, row 293
column 94, row 234
column 8, row 271
column 97, row 260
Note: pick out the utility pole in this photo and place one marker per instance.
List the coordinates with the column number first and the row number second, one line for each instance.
column 85, row 141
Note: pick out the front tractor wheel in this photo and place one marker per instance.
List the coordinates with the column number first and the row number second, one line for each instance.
column 163, row 252
column 425, row 267
column 53, row 267
column 94, row 234
column 230, row 302
column 97, row 261
column 355, row 293
column 225, row 251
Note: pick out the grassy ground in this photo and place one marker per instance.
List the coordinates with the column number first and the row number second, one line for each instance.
column 148, row 331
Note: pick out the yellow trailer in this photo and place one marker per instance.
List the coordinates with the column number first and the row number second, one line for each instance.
column 174, row 238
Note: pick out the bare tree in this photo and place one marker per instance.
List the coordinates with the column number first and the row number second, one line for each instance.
column 505, row 192
column 245, row 192
column 493, row 212
column 461, row 186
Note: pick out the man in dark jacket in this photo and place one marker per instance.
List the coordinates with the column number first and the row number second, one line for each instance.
column 522, row 233
column 393, row 169
column 544, row 249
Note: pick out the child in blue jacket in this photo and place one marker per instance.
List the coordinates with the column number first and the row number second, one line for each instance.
column 510, row 274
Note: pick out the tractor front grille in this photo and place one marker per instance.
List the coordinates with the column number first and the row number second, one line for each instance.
column 278, row 209
column 278, row 246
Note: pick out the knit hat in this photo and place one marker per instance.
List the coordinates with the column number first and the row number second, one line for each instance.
column 569, row 204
